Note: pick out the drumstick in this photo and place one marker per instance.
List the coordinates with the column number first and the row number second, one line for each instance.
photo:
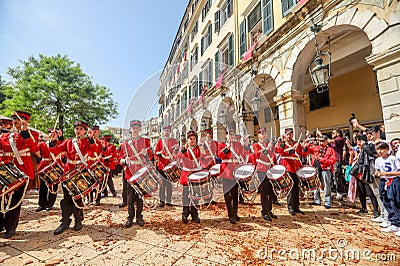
column 55, row 125
column 30, row 134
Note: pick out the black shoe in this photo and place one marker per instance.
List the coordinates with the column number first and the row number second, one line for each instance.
column 115, row 194
column 232, row 220
column 49, row 208
column 1, row 229
column 276, row 203
column 327, row 207
column 362, row 211
column 184, row 219
column 61, row 228
column 237, row 218
column 196, row 220
column 299, row 211
column 270, row 214
column 123, row 204
column 213, row 202
column 162, row 204
column 140, row 221
column 292, row 212
column 9, row 233
column 376, row 214
column 242, row 202
column 169, row 204
column 97, row 203
column 129, row 223
column 40, row 208
column 267, row 217
column 316, row 204
column 78, row 226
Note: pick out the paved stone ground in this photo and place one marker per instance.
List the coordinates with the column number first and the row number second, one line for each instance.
column 164, row 240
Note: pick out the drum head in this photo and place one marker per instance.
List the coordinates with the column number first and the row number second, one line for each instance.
column 306, row 172
column 138, row 174
column 215, row 169
column 276, row 171
column 244, row 171
column 199, row 176
column 169, row 166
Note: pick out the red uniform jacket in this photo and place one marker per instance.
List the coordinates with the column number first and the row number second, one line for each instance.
column 327, row 158
column 128, row 157
column 189, row 165
column 162, row 153
column 96, row 152
column 43, row 149
column 264, row 157
column 67, row 146
column 288, row 159
column 229, row 161
column 110, row 156
column 25, row 145
column 210, row 148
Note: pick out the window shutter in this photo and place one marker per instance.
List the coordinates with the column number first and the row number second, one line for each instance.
column 216, row 74
column 231, row 51
column 267, row 16
column 216, row 20
column 202, row 45
column 243, row 38
column 199, row 89
column 229, row 7
column 210, row 73
column 209, row 34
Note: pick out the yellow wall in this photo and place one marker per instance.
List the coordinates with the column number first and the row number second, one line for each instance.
column 354, row 92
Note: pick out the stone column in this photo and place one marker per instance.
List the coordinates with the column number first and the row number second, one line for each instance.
column 387, row 67
column 292, row 112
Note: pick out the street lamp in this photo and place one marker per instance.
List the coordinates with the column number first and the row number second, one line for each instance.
column 320, row 73
column 255, row 103
column 183, row 137
column 203, row 125
column 222, row 117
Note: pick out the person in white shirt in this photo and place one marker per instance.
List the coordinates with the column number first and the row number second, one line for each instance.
column 388, row 167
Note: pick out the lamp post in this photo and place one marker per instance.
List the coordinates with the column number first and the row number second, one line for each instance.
column 203, row 125
column 320, row 73
column 255, row 103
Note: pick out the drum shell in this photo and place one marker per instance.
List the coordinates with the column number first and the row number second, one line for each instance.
column 79, row 182
column 248, row 182
column 11, row 178
column 308, row 177
column 144, row 181
column 200, row 187
column 172, row 171
column 51, row 174
column 99, row 170
column 283, row 181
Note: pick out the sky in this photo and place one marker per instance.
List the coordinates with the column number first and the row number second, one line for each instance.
column 122, row 44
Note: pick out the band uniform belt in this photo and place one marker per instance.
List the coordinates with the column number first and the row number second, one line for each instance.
column 74, row 161
column 230, row 161
column 92, row 158
column 190, row 169
column 11, row 154
column 47, row 159
column 263, row 162
column 290, row 158
column 134, row 162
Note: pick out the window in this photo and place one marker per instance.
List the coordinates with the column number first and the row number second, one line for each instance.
column 195, row 88
column 267, row 115
column 286, row 6
column 206, row 40
column 231, row 51
column 206, row 76
column 194, row 58
column 224, row 56
column 194, row 31
column 318, row 100
column 267, row 16
column 243, row 37
column 276, row 112
column 205, row 10
column 185, row 24
column 254, row 17
column 222, row 15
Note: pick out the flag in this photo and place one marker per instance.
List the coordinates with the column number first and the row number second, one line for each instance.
column 249, row 53
column 218, row 84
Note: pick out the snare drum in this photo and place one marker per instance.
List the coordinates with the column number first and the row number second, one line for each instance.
column 144, row 181
column 246, row 178
column 280, row 179
column 51, row 174
column 172, row 171
column 99, row 171
column 214, row 171
column 79, row 182
column 308, row 178
column 11, row 178
column 200, row 186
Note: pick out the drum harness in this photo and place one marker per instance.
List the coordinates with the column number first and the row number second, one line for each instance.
column 151, row 204
column 5, row 204
column 53, row 159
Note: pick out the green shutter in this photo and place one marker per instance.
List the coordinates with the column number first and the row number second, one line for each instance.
column 231, row 51
column 216, row 20
column 267, row 16
column 243, row 38
column 210, row 75
column 216, row 73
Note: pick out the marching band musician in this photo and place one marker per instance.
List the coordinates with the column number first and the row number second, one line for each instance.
column 16, row 147
column 290, row 152
column 96, row 153
column 6, row 125
column 135, row 154
column 264, row 158
column 110, row 161
column 165, row 152
column 47, row 199
column 231, row 153
column 190, row 161
column 76, row 151
column 210, row 148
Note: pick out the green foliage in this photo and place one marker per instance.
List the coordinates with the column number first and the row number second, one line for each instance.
column 51, row 87
column 114, row 139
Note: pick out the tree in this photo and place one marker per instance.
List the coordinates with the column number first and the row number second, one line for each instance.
column 2, row 90
column 51, row 87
